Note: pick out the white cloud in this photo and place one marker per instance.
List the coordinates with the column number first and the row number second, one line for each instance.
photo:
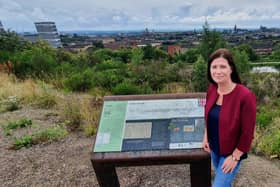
column 131, row 14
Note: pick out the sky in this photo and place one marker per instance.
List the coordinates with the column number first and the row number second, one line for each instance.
column 20, row 15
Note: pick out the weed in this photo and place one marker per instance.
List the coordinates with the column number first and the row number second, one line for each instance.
column 15, row 125
column 48, row 135
column 24, row 141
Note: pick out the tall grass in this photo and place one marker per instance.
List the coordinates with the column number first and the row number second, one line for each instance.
column 26, row 91
column 82, row 113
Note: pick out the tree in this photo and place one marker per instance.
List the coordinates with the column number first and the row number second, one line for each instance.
column 276, row 53
column 252, row 56
column 199, row 75
column 211, row 41
column 39, row 62
column 242, row 62
column 137, row 55
column 10, row 44
column 191, row 55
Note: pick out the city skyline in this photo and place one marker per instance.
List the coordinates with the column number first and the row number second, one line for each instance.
column 20, row 15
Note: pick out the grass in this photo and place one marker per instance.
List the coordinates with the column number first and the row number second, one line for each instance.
column 16, row 124
column 267, row 135
column 48, row 135
column 26, row 91
column 82, row 113
column 10, row 104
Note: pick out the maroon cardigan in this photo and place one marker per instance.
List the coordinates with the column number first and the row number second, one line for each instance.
column 237, row 118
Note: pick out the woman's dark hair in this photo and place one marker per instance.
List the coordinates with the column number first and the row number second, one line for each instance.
column 226, row 54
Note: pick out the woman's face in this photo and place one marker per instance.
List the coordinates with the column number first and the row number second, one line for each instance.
column 220, row 71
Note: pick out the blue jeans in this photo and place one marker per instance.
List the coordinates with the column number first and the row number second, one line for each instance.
column 222, row 179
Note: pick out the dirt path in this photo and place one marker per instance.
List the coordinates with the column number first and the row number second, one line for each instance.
column 67, row 163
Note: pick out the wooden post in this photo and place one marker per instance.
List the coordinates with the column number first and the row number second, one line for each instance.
column 106, row 174
column 201, row 173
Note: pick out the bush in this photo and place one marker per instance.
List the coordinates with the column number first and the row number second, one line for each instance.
column 199, row 75
column 80, row 81
column 264, row 84
column 269, row 143
column 126, row 88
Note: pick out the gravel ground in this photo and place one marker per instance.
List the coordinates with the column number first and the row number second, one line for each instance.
column 67, row 163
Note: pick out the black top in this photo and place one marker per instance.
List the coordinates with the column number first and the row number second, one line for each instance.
column 213, row 128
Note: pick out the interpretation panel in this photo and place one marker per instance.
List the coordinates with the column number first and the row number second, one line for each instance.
column 155, row 124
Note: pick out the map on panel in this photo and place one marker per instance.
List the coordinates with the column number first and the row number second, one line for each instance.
column 150, row 125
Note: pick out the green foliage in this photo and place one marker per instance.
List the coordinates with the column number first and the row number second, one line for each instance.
column 211, row 41
column 37, row 62
column 137, row 55
column 51, row 134
column 242, row 63
column 102, row 54
column 89, row 130
column 153, row 75
column 199, row 75
column 269, row 142
column 275, row 56
column 48, row 135
column 252, row 56
column 19, row 124
column 264, row 119
column 109, row 64
column 16, row 124
column 10, row 44
column 108, row 79
column 150, row 53
column 265, row 84
column 126, row 88
column 123, row 55
column 80, row 81
column 24, row 141
column 63, row 56
column 191, row 55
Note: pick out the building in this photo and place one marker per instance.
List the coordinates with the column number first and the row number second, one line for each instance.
column 31, row 37
column 173, row 49
column 1, row 27
column 47, row 31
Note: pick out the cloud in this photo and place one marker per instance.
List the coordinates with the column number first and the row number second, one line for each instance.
column 127, row 14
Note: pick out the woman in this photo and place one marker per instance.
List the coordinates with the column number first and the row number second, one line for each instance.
column 230, row 114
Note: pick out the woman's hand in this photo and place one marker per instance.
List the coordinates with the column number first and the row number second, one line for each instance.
column 205, row 143
column 229, row 164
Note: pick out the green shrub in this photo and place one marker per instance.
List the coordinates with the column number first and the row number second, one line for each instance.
column 48, row 135
column 24, row 141
column 109, row 78
column 199, row 78
column 270, row 143
column 80, row 81
column 264, row 119
column 126, row 88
